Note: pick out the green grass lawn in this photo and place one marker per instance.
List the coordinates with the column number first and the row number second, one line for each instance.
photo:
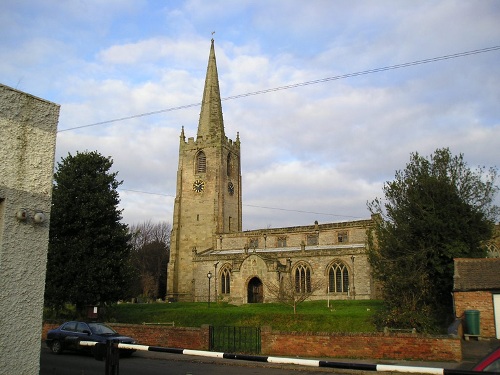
column 312, row 316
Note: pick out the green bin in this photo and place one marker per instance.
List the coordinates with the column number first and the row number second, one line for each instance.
column 472, row 322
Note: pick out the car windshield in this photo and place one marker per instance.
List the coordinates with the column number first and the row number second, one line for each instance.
column 101, row 329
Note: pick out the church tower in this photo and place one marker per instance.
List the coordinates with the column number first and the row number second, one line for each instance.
column 208, row 197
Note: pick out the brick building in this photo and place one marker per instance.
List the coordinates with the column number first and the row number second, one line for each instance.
column 209, row 250
column 477, row 287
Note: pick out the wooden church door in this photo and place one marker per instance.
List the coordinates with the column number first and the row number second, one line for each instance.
column 255, row 291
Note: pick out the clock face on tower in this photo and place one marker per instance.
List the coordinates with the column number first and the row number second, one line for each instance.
column 198, row 186
column 230, row 188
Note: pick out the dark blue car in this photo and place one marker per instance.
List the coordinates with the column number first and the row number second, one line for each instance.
column 69, row 335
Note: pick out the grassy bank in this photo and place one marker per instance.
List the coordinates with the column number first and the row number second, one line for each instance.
column 315, row 316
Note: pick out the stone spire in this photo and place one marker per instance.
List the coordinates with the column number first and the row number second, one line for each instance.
column 211, row 124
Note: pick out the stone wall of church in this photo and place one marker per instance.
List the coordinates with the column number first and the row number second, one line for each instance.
column 271, row 254
column 254, row 265
column 353, row 232
column 199, row 213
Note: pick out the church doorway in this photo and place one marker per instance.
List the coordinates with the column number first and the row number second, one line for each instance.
column 255, row 291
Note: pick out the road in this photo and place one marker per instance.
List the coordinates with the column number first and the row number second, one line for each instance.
column 146, row 363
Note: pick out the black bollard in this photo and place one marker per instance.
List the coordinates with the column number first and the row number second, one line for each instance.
column 99, row 351
column 112, row 358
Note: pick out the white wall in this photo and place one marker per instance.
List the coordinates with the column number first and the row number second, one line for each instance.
column 28, row 128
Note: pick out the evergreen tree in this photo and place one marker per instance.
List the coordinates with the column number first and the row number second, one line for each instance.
column 88, row 255
column 436, row 210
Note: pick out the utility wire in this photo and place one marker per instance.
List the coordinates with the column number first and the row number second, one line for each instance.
column 291, row 86
column 133, row 116
column 344, row 76
column 300, row 211
column 147, row 192
column 364, row 72
column 248, row 205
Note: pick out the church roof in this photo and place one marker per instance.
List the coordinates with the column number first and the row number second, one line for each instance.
column 476, row 274
column 211, row 124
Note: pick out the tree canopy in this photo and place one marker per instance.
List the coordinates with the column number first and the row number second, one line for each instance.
column 435, row 210
column 88, row 255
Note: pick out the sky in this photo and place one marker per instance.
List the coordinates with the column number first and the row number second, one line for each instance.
column 313, row 152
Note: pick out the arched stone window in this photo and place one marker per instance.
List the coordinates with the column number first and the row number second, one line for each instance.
column 338, row 278
column 225, row 280
column 302, row 279
column 201, row 162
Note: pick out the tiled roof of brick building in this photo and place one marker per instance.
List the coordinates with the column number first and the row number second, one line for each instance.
column 476, row 274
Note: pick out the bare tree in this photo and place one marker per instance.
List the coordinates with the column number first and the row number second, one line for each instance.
column 148, row 232
column 291, row 293
column 150, row 253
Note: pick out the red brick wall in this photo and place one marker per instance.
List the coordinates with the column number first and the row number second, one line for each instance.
column 47, row 327
column 170, row 337
column 481, row 301
column 371, row 346
column 332, row 345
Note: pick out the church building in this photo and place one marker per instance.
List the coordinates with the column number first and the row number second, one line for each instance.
column 212, row 259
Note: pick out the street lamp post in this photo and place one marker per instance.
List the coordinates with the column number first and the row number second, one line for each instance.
column 209, row 275
column 353, row 287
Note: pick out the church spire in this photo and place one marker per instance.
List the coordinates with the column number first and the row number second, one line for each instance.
column 211, row 124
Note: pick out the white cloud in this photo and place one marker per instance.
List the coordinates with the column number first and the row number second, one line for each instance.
column 317, row 152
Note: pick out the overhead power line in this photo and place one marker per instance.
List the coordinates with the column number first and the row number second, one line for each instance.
column 364, row 72
column 132, row 117
column 299, row 211
column 147, row 192
column 301, row 84
column 248, row 205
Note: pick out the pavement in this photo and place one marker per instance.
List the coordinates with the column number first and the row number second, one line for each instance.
column 475, row 350
column 472, row 352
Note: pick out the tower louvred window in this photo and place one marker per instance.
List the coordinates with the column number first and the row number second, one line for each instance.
column 201, row 162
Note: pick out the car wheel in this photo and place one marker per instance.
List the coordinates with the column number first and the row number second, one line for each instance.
column 56, row 347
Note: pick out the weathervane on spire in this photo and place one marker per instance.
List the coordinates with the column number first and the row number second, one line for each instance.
column 213, row 32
